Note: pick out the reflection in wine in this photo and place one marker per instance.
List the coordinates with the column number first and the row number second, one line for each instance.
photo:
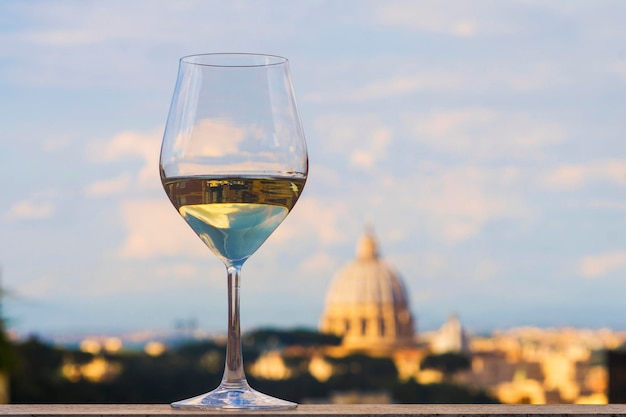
column 234, row 216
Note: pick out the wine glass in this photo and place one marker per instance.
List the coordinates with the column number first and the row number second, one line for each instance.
column 233, row 163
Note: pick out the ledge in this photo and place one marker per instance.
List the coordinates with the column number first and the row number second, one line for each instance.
column 362, row 410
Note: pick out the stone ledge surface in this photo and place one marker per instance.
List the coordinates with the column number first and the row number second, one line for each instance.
column 328, row 410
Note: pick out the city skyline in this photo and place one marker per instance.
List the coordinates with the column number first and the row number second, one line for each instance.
column 482, row 141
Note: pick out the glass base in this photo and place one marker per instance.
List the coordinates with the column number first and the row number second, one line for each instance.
column 229, row 396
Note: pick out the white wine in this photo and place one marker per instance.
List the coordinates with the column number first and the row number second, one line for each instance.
column 233, row 216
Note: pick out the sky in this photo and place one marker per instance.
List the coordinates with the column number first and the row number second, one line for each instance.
column 483, row 142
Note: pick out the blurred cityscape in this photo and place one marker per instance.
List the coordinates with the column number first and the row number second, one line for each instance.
column 367, row 349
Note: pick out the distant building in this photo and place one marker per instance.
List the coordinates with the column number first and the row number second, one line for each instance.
column 451, row 337
column 367, row 304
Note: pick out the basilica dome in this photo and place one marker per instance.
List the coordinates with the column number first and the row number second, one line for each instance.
column 367, row 303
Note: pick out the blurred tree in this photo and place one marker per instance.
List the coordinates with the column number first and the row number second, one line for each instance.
column 193, row 368
column 411, row 392
column 362, row 372
column 447, row 363
column 269, row 338
column 8, row 355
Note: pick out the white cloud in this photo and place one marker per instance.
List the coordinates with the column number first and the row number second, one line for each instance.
column 131, row 143
column 468, row 18
column 465, row 28
column 40, row 287
column 155, row 277
column 153, row 228
column 321, row 264
column 70, row 41
column 364, row 139
column 107, row 187
column 314, row 273
column 455, row 18
column 445, row 203
column 397, row 85
column 455, row 204
column 369, row 154
column 55, row 144
column 408, row 78
column 577, row 175
column 143, row 146
column 595, row 266
column 449, row 204
column 484, row 133
column 62, row 38
column 30, row 210
column 485, row 269
column 318, row 220
column 88, row 24
column 41, row 205
column 179, row 270
column 612, row 205
column 225, row 139
column 422, row 296
column 427, row 265
column 618, row 68
column 566, row 176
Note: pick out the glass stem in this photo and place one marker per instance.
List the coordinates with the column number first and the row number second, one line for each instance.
column 233, row 371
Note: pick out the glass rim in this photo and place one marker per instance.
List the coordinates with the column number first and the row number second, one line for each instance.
column 212, row 59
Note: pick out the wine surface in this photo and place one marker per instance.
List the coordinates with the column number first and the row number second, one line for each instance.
column 233, row 216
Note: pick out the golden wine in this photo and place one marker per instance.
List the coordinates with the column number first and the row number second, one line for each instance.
column 233, row 216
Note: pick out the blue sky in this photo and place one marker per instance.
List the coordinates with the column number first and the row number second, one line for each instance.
column 482, row 140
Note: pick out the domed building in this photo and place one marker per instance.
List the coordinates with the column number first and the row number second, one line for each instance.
column 367, row 303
